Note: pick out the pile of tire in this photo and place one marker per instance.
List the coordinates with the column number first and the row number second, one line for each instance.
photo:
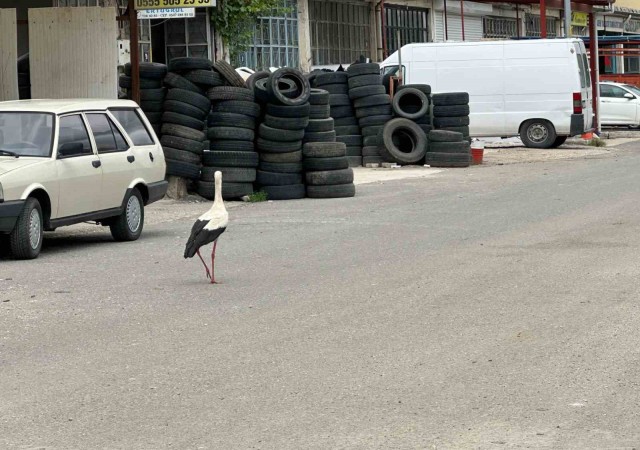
column 340, row 109
column 231, row 134
column 451, row 112
column 372, row 105
column 327, row 171
column 152, row 93
column 184, row 111
column 285, row 97
column 448, row 149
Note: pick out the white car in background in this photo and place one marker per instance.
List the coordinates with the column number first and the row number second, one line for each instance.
column 619, row 104
column 64, row 162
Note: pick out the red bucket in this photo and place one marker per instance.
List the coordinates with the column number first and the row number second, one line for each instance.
column 477, row 152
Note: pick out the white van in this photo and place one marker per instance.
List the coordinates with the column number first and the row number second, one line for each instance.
column 537, row 89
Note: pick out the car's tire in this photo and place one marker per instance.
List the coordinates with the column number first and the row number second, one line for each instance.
column 445, row 122
column 255, row 77
column 338, row 112
column 180, row 143
column 153, row 95
column 285, row 87
column 364, row 80
column 185, row 109
column 372, row 160
column 332, row 191
column 25, row 241
column 279, row 134
column 370, row 150
column 372, row 121
column 450, row 147
column 296, row 167
column 450, row 98
column 320, row 125
column 145, row 83
column 354, row 150
column 231, row 120
column 227, row 93
column 192, row 98
column 559, row 141
column 350, row 140
column 325, row 78
column 176, row 81
column 229, row 73
column 149, row 106
column 336, row 89
column 182, row 131
column 538, row 133
column 148, row 70
column 232, row 146
column 251, row 109
column 181, row 155
column 451, row 111
column 290, row 192
column 287, row 111
column 346, row 121
column 411, row 104
column 182, row 169
column 355, row 161
column 229, row 174
column 366, row 91
column 339, row 100
column 319, row 97
column 264, row 178
column 267, row 146
column 230, row 159
column 373, row 100
column 371, row 141
column 182, row 119
column 403, row 141
column 289, row 157
column 315, row 164
column 301, row 82
column 372, row 131
column 320, row 136
column 189, row 63
column 206, row 189
column 380, row 110
column 347, row 130
column 205, row 78
column 230, row 133
column 317, row 112
column 437, row 159
column 329, row 177
column 128, row 225
column 445, row 136
column 424, row 88
column 286, row 123
column 355, row 70
column 324, row 149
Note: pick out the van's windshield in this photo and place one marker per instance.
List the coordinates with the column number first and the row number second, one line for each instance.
column 26, row 134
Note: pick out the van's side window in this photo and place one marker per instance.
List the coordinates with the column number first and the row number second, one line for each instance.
column 607, row 90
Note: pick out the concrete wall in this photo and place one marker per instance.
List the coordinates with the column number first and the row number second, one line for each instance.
column 23, row 29
column 8, row 55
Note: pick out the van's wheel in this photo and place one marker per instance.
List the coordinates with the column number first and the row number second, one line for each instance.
column 26, row 238
column 559, row 141
column 128, row 225
column 538, row 133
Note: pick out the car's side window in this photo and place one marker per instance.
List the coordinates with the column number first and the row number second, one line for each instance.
column 605, row 91
column 73, row 139
column 133, row 125
column 108, row 138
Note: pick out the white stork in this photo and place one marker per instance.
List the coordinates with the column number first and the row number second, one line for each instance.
column 208, row 229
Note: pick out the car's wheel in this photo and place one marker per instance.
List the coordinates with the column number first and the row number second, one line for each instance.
column 26, row 238
column 128, row 225
column 538, row 133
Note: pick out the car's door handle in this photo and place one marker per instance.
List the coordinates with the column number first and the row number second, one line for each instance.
column 151, row 156
column 131, row 158
column 96, row 164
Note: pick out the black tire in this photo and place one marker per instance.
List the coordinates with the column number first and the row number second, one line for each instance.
column 145, row 83
column 231, row 120
column 286, row 123
column 232, row 146
column 185, row 109
column 25, row 241
column 288, row 111
column 229, row 73
column 320, row 125
column 355, row 161
column 205, row 78
column 279, row 134
column 277, row 178
column 181, row 155
column 445, row 136
column 179, row 143
column 286, row 87
column 325, row 78
column 372, row 160
column 206, row 189
column 230, row 159
column 337, row 112
column 153, row 95
column 148, row 70
column 464, row 130
column 442, row 122
column 370, row 151
column 289, row 157
column 348, row 129
column 426, row 128
column 176, row 81
column 317, row 112
column 336, row 89
column 403, row 142
column 324, row 149
column 154, row 117
column 384, row 110
column 183, row 169
column 182, row 119
column 538, row 133
column 251, row 109
column 450, row 147
column 354, row 150
column 301, row 82
column 229, row 174
column 366, row 91
column 450, row 99
column 346, row 121
column 321, row 136
column 364, row 80
column 355, row 70
column 129, row 224
column 332, row 191
column 373, row 121
column 226, row 93
column 281, row 167
column 329, row 177
column 182, row 131
column 314, row 164
column 189, row 63
column 319, row 97
column 559, row 141
column 290, row 192
column 411, row 104
column 371, row 141
column 424, row 88
column 451, row 111
column 372, row 131
column 339, row 100
column 149, row 106
column 267, row 146
column 350, row 140
column 231, row 134
column 254, row 77
column 436, row 159
column 373, row 100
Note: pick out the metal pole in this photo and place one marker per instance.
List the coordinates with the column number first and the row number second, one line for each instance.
column 135, row 52
column 400, row 80
column 567, row 18
column 517, row 21
column 383, row 25
column 594, row 64
column 462, row 17
column 446, row 28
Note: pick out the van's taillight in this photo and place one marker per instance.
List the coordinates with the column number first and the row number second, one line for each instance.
column 577, row 103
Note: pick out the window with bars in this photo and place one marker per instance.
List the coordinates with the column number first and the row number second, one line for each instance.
column 340, row 31
column 275, row 40
column 499, row 27
column 67, row 3
column 411, row 23
column 188, row 37
column 533, row 26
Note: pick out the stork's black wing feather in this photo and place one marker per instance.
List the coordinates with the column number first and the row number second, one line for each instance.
column 191, row 249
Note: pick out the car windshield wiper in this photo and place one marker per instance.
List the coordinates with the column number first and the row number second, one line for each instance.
column 7, row 152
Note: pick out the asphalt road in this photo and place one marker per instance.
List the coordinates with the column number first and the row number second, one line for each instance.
column 489, row 307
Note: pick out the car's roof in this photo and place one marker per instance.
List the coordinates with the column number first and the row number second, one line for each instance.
column 63, row 106
column 615, row 83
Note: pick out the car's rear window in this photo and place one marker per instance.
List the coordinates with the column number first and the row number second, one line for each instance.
column 133, row 125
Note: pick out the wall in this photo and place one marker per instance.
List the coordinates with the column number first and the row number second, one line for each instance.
column 23, row 29
column 8, row 55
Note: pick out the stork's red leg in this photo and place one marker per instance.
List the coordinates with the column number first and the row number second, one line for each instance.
column 205, row 264
column 213, row 262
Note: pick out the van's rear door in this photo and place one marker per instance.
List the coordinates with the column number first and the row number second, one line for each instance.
column 585, row 84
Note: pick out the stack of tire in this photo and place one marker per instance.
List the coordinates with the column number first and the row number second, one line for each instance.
column 231, row 133
column 341, row 110
column 321, row 126
column 448, row 149
column 372, row 105
column 185, row 109
column 451, row 112
column 152, row 94
column 281, row 134
column 327, row 171
column 413, row 102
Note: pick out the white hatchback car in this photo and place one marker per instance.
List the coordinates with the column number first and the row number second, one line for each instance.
column 64, row 162
column 619, row 104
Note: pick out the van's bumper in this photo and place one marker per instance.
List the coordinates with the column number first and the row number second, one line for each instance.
column 9, row 213
column 577, row 125
column 157, row 191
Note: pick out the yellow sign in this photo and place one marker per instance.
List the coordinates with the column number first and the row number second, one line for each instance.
column 161, row 4
column 579, row 19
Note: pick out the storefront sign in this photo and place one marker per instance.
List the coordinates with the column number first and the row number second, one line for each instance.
column 164, row 4
column 169, row 13
column 579, row 19
column 632, row 26
column 611, row 24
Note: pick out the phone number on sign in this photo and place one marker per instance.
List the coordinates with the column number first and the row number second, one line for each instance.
column 142, row 4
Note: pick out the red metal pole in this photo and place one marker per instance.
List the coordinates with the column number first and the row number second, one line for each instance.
column 462, row 17
column 383, row 25
column 593, row 65
column 135, row 53
column 446, row 28
column 543, row 19
column 517, row 21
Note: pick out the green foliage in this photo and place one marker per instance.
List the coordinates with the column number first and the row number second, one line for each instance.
column 259, row 196
column 235, row 20
column 597, row 142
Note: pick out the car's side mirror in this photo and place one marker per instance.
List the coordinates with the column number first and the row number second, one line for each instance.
column 629, row 96
column 70, row 149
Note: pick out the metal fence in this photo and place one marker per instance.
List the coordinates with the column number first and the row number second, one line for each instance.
column 499, row 27
column 411, row 23
column 533, row 26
